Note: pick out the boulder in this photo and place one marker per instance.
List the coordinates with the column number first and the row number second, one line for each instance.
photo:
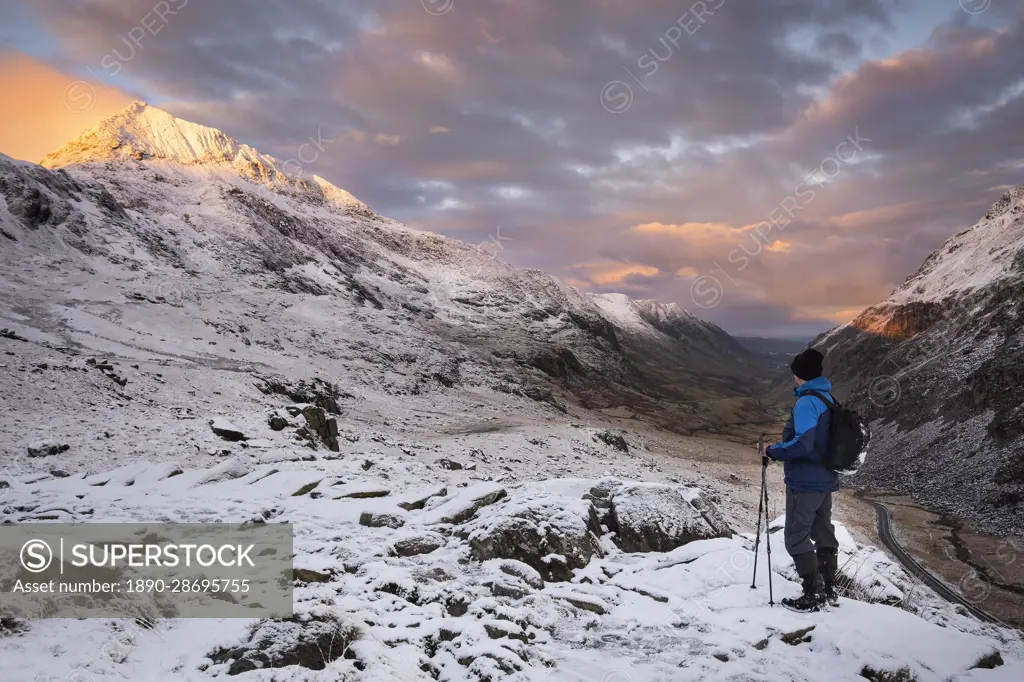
column 357, row 491
column 226, row 430
column 463, row 506
column 650, row 517
column 524, row 572
column 277, row 423
column 449, row 464
column 553, row 536
column 424, row 543
column 381, row 520
column 419, row 501
column 612, row 437
column 47, row 448
column 310, row 644
column 326, row 428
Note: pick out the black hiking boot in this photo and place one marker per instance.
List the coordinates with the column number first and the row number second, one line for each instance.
column 805, row 603
column 829, row 595
column 811, row 600
column 827, row 567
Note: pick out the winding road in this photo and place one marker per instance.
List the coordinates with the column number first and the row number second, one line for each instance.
column 915, row 568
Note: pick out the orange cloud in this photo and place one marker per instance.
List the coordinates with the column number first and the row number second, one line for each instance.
column 688, row 230
column 44, row 108
column 611, row 273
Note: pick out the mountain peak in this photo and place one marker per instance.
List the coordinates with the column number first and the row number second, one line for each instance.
column 146, row 133
column 973, row 259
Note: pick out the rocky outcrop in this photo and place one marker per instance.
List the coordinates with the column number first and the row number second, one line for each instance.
column 311, row 643
column 325, row 428
column 315, row 391
column 613, row 437
column 545, row 534
column 659, row 518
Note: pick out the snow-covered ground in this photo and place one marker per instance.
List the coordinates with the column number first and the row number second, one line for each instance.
column 688, row 614
column 170, row 285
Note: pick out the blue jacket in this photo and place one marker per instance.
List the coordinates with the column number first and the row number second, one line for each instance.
column 807, row 426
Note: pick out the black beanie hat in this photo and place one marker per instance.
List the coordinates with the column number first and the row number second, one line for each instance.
column 807, row 365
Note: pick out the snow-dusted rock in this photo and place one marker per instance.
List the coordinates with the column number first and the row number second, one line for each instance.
column 310, row 643
column 47, row 448
column 463, row 506
column 613, row 438
column 226, row 430
column 381, row 520
column 326, row 428
column 423, row 543
column 659, row 518
column 553, row 536
column 417, row 501
column 524, row 572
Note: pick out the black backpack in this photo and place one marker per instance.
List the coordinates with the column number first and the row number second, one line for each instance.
column 848, row 438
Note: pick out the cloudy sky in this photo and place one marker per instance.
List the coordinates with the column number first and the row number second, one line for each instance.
column 771, row 165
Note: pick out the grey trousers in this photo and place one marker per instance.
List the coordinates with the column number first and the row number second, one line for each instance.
column 809, row 523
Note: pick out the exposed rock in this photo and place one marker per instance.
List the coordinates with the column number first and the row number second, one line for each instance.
column 418, row 544
column 315, row 391
column 512, row 590
column 360, row 492
column 381, row 520
column 305, row 575
column 613, row 438
column 326, row 428
column 226, row 430
column 464, row 505
column 449, row 464
column 417, row 502
column 57, row 473
column 277, row 423
column 11, row 334
column 310, row 644
column 47, row 448
column 659, row 518
column 584, row 601
column 524, row 572
column 546, row 534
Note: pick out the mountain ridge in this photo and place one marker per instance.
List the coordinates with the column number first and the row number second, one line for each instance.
column 938, row 366
column 189, row 207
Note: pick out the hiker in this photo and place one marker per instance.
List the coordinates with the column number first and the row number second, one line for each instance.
column 809, row 533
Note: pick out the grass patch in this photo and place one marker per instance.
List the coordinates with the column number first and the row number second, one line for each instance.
column 305, row 489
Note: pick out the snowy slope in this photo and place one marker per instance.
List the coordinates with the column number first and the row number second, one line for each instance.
column 937, row 365
column 979, row 257
column 191, row 214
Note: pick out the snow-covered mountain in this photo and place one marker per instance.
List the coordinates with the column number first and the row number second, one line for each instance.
column 179, row 213
column 940, row 366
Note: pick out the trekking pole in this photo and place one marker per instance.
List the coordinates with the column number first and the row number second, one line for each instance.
column 767, row 531
column 760, row 507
